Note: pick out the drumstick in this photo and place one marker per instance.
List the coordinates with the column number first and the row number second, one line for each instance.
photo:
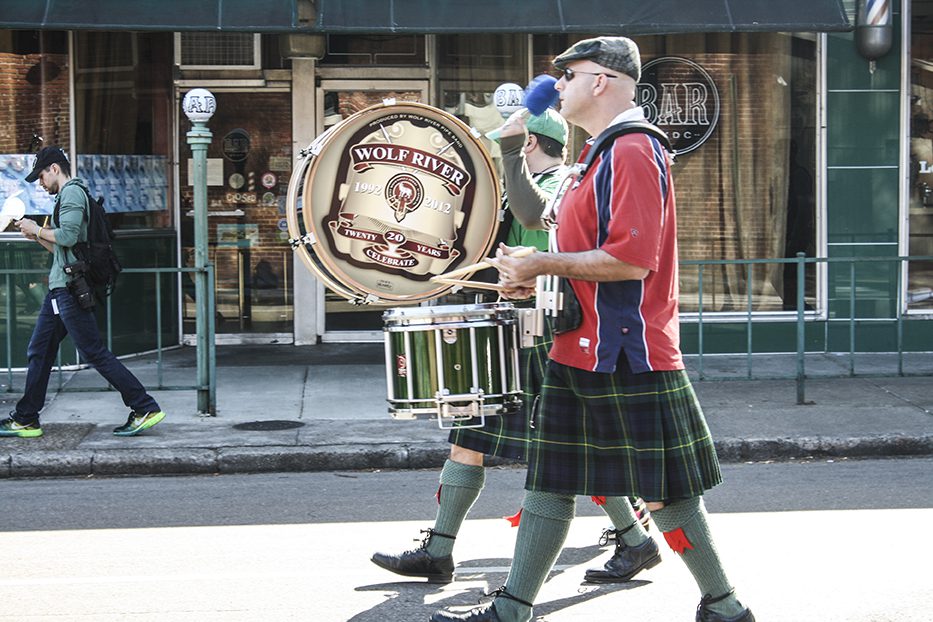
column 453, row 274
column 473, row 284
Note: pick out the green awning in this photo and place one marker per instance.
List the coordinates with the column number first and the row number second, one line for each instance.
column 631, row 17
column 153, row 15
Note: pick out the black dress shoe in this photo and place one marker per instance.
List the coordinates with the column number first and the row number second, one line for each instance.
column 486, row 613
column 626, row 562
column 705, row 614
column 418, row 563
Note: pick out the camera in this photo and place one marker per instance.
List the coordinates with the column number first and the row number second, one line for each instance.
column 78, row 285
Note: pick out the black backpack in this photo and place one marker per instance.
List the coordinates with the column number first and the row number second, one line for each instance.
column 97, row 252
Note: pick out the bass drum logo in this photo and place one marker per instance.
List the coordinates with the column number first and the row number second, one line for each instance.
column 404, row 194
column 680, row 97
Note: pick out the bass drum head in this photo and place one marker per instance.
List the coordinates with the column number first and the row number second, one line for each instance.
column 390, row 197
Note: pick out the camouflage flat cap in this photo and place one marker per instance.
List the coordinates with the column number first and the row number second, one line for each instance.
column 616, row 53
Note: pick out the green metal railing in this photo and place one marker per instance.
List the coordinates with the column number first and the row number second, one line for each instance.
column 800, row 317
column 208, row 388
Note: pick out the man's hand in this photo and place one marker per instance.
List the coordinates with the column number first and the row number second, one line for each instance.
column 518, row 293
column 515, row 124
column 29, row 228
column 517, row 268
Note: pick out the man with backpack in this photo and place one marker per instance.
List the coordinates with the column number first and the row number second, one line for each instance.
column 68, row 307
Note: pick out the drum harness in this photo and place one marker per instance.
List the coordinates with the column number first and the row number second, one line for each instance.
column 555, row 296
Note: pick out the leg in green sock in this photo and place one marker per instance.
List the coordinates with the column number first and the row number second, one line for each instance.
column 545, row 522
column 635, row 550
column 685, row 528
column 460, row 487
column 623, row 517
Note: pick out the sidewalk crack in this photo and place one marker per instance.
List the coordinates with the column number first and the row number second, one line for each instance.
column 904, row 399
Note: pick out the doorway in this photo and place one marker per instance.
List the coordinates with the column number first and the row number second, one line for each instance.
column 249, row 164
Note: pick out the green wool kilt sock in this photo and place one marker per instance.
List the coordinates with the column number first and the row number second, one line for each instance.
column 460, row 487
column 623, row 517
column 684, row 526
column 545, row 522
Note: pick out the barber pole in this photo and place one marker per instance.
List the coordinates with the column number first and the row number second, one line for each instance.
column 874, row 31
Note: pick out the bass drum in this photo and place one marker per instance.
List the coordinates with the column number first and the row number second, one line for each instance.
column 388, row 198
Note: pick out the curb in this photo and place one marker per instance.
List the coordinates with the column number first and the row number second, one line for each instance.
column 350, row 457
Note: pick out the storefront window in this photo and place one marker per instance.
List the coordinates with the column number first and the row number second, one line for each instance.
column 248, row 167
column 123, row 110
column 920, row 223
column 741, row 110
column 470, row 67
column 34, row 109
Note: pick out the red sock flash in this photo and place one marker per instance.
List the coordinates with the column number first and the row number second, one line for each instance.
column 678, row 541
column 437, row 495
column 599, row 500
column 516, row 519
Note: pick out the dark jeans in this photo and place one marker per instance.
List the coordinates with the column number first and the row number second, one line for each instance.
column 81, row 324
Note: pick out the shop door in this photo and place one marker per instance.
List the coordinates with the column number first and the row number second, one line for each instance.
column 249, row 164
column 337, row 100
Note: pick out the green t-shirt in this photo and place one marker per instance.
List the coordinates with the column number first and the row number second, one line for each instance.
column 72, row 228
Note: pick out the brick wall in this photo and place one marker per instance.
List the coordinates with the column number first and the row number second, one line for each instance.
column 39, row 104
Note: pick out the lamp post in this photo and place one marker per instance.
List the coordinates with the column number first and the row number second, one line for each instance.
column 199, row 105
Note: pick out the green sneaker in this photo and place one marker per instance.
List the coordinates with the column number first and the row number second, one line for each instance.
column 138, row 422
column 11, row 427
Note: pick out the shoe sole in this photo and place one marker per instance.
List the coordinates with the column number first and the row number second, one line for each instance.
column 651, row 563
column 432, row 578
column 145, row 426
column 23, row 434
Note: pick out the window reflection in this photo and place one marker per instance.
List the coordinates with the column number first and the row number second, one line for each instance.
column 920, row 223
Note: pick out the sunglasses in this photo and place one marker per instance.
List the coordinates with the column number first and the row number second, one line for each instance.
column 570, row 73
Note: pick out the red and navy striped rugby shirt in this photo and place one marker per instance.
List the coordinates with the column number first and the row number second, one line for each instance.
column 625, row 206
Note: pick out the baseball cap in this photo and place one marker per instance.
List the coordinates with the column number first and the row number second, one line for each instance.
column 44, row 159
column 616, row 53
column 549, row 123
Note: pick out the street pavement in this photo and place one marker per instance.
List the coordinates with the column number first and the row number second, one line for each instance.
column 323, row 407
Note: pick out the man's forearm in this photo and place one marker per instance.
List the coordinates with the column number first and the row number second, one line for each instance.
column 594, row 265
column 526, row 200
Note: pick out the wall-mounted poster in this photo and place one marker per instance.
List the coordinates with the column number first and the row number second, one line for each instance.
column 13, row 186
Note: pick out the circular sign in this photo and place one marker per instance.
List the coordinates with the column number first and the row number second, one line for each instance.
column 268, row 179
column 199, row 105
column 508, row 98
column 680, row 97
column 390, row 197
column 235, row 145
column 236, row 181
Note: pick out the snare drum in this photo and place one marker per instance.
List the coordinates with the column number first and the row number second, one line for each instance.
column 458, row 363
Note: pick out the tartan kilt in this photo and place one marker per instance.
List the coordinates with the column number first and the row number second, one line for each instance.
column 621, row 434
column 506, row 436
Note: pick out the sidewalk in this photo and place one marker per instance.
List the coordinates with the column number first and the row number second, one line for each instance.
column 286, row 408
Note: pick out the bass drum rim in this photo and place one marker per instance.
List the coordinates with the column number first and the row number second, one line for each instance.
column 321, row 264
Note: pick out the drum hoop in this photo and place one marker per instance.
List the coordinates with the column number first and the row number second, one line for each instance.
column 295, row 231
column 360, row 292
column 421, row 328
column 493, row 313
